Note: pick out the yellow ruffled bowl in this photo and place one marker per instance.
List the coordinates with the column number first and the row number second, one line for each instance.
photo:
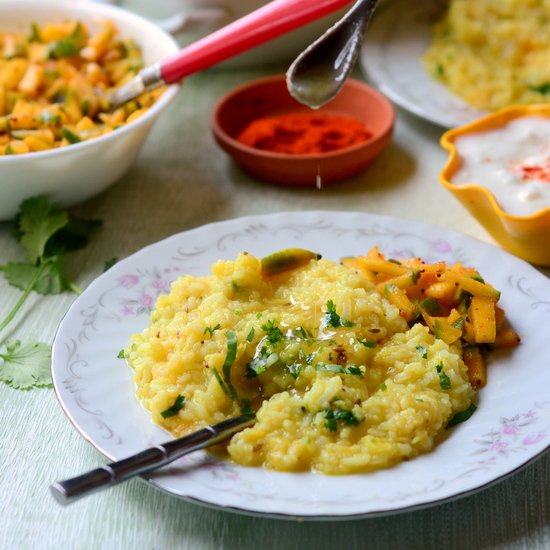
column 525, row 236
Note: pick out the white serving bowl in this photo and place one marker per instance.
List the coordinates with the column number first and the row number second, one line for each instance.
column 71, row 174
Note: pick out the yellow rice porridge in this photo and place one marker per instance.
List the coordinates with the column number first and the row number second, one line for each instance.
column 338, row 381
column 493, row 53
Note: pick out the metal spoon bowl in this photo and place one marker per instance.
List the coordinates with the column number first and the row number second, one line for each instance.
column 319, row 72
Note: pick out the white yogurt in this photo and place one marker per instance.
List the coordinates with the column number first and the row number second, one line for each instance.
column 513, row 162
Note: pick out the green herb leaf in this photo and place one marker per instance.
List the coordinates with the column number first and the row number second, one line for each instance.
column 431, row 305
column 75, row 235
column 461, row 416
column 231, row 337
column 367, row 343
column 383, row 386
column 26, row 365
column 50, row 276
column 121, row 354
column 339, row 369
column 262, row 361
column 444, row 380
column 36, row 222
column 245, row 406
column 218, row 377
column 69, row 135
column 274, row 333
column 210, row 330
column 69, row 45
column 109, row 263
column 423, row 351
column 332, row 319
column 250, row 335
column 35, row 33
column 543, row 89
column 179, row 403
column 332, row 416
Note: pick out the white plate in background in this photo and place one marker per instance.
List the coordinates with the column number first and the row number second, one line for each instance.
column 391, row 57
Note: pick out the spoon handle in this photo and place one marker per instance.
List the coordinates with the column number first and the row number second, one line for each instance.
column 145, row 461
column 264, row 24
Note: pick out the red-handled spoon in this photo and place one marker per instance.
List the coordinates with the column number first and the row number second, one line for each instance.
column 264, row 24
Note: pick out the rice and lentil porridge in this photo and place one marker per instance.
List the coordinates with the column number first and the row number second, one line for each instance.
column 339, row 382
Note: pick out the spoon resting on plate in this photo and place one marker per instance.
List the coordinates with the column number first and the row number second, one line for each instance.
column 319, row 72
column 148, row 460
column 266, row 23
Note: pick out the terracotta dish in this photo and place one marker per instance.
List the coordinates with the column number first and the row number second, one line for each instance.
column 269, row 96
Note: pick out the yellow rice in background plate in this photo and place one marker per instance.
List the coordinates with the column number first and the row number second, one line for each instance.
column 493, row 53
column 349, row 387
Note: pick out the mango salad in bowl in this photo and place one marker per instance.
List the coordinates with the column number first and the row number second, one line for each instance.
column 59, row 64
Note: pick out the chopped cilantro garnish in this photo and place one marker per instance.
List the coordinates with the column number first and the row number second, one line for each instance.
column 461, row 416
column 477, row 277
column 231, row 354
column 423, row 351
column 245, row 406
column 383, row 386
column 220, row 381
column 339, row 369
column 210, row 330
column 332, row 319
column 543, row 89
column 69, row 45
column 121, row 354
column 274, row 333
column 332, row 416
column 367, row 343
column 69, row 135
column 431, row 305
column 179, row 403
column 250, row 335
column 261, row 362
column 444, row 380
column 459, row 323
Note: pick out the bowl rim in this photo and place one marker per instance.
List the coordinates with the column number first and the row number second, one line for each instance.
column 221, row 134
column 490, row 121
column 99, row 10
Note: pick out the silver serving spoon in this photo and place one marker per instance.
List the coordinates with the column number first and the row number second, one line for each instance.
column 319, row 72
column 150, row 459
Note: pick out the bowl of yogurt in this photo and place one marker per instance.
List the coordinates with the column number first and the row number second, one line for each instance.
column 499, row 169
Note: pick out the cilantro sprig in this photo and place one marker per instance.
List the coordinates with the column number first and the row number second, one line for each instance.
column 46, row 232
column 179, row 403
column 332, row 319
column 333, row 416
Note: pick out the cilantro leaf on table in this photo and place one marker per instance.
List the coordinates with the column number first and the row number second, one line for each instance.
column 50, row 276
column 36, row 222
column 26, row 365
column 45, row 231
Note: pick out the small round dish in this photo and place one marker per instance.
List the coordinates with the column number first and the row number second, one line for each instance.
column 77, row 172
column 269, row 96
column 525, row 236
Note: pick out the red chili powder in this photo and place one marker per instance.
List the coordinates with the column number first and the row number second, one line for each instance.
column 304, row 133
column 537, row 171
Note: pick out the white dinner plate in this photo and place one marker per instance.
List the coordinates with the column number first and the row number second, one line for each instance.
column 509, row 428
column 397, row 37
